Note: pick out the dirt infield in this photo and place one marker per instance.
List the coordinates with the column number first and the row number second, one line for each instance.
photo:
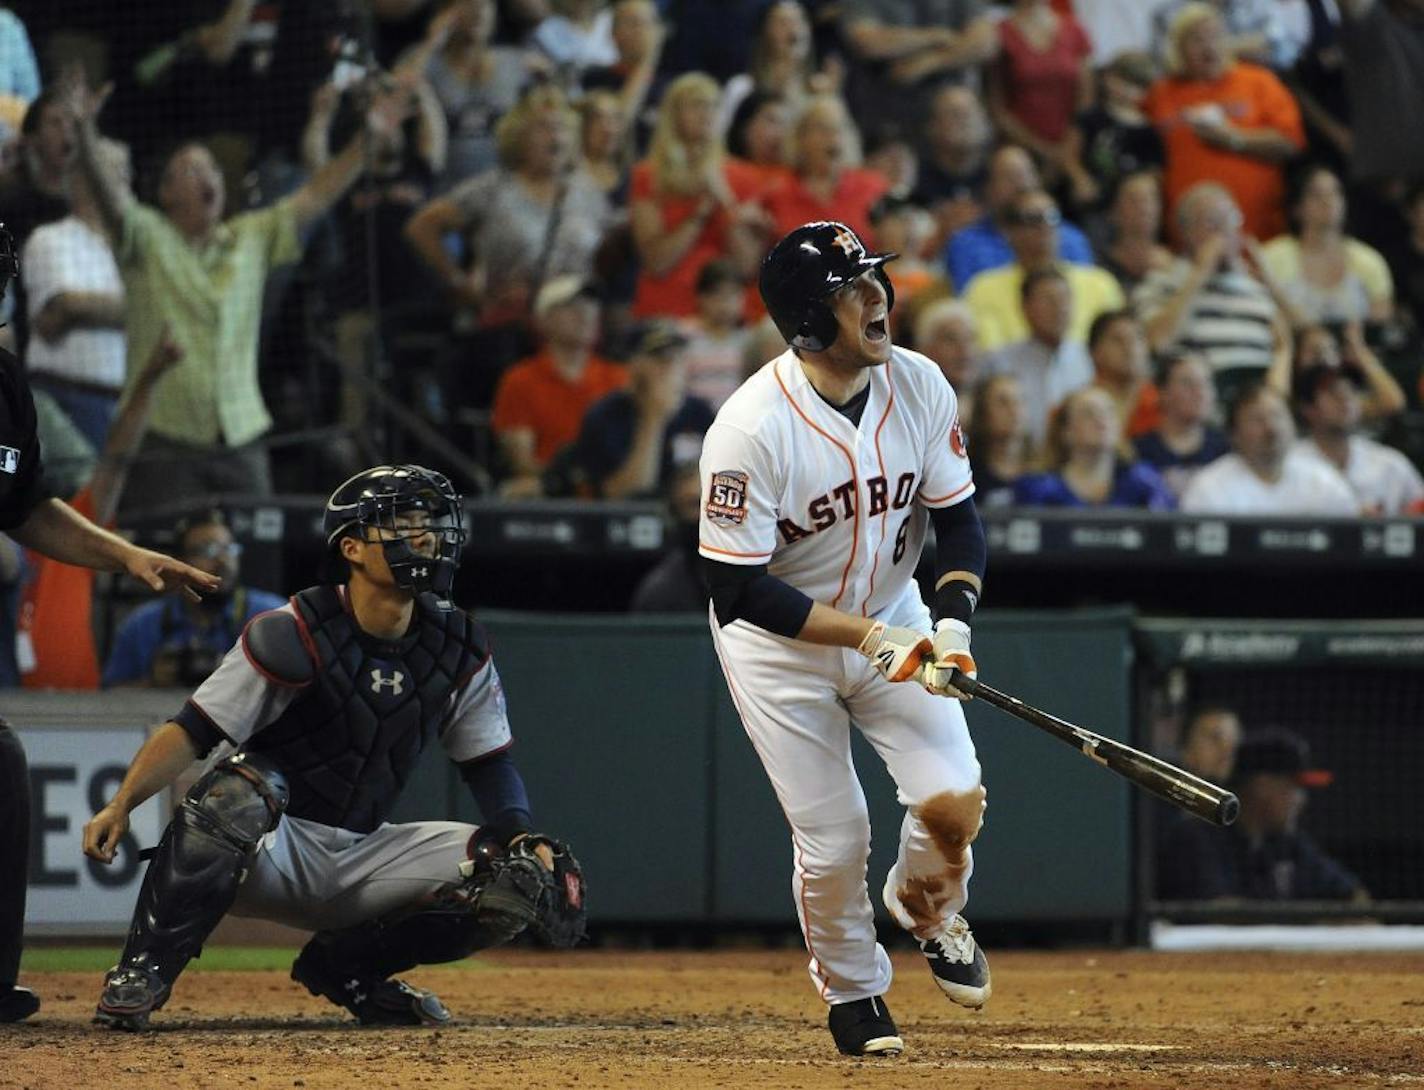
column 750, row 1019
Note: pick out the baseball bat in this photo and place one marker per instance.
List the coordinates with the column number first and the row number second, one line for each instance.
column 1168, row 782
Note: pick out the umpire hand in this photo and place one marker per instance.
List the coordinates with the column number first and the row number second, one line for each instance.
column 165, row 573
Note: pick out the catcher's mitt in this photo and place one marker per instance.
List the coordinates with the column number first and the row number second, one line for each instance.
column 517, row 891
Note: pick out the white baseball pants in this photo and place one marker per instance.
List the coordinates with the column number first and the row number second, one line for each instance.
column 798, row 702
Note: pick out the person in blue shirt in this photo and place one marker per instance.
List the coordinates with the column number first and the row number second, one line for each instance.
column 175, row 641
column 1085, row 443
column 1186, row 439
column 983, row 245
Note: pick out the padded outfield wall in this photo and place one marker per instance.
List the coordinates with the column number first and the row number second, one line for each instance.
column 632, row 751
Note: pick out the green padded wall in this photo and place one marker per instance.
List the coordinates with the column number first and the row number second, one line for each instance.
column 633, row 752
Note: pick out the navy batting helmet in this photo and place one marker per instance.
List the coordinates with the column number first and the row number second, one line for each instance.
column 376, row 496
column 804, row 268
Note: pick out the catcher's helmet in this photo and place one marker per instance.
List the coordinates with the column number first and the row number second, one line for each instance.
column 804, row 268
column 374, row 497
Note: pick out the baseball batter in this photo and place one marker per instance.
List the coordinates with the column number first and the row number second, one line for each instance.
column 328, row 704
column 822, row 472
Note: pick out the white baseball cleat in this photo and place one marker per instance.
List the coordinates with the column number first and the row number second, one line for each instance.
column 959, row 966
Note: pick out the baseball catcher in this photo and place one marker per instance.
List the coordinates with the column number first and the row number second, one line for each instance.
column 314, row 721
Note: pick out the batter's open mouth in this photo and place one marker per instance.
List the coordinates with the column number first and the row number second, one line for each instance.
column 876, row 331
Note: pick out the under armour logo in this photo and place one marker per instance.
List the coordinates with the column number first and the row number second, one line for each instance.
column 847, row 243
column 396, row 682
column 357, row 994
column 420, row 573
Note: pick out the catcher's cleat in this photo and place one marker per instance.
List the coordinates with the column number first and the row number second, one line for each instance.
column 374, row 1001
column 864, row 1027
column 17, row 1004
column 131, row 993
column 959, row 966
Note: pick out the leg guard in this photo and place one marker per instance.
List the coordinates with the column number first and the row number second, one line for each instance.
column 192, row 881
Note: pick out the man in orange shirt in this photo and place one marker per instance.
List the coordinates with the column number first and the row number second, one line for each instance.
column 541, row 400
column 1224, row 121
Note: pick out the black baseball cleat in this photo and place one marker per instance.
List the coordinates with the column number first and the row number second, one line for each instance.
column 130, row 995
column 17, row 1004
column 863, row 1027
column 374, row 1001
column 958, row 964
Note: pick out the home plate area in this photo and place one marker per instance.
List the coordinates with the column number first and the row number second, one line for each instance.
column 750, row 1018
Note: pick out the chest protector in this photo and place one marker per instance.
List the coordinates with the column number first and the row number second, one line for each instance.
column 351, row 738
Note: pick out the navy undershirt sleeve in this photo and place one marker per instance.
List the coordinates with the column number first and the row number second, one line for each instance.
column 748, row 592
column 959, row 546
column 499, row 792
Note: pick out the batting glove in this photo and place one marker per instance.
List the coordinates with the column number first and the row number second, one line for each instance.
column 951, row 652
column 896, row 653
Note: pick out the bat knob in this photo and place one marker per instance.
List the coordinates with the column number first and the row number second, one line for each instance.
column 963, row 682
column 1227, row 809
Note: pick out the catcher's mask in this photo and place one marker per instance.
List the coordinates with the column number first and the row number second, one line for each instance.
column 402, row 503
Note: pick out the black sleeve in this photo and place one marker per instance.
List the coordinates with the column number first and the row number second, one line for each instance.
column 499, row 792
column 206, row 734
column 959, row 546
column 746, row 591
column 22, row 482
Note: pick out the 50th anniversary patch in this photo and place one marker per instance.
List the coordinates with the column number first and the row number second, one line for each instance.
column 727, row 498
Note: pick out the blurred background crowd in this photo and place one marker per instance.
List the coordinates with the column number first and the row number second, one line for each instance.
column 1170, row 254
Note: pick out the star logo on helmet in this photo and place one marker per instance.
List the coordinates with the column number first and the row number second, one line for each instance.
column 847, row 243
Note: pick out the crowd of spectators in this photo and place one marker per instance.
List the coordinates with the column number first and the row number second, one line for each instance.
column 1168, row 252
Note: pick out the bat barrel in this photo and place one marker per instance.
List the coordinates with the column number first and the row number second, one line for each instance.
column 1228, row 809
column 1168, row 782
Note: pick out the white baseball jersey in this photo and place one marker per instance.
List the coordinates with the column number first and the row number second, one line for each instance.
column 834, row 509
column 1228, row 486
column 1385, row 481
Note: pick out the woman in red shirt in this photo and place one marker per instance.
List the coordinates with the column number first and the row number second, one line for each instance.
column 760, row 136
column 1042, row 79
column 828, row 182
column 690, row 202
